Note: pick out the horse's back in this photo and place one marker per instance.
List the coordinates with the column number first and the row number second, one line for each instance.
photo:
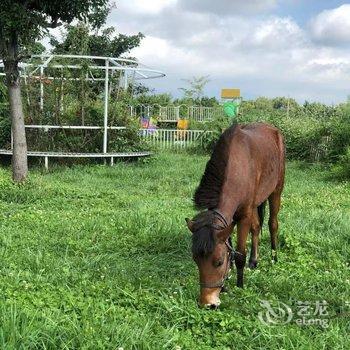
column 265, row 155
column 263, row 130
column 264, row 139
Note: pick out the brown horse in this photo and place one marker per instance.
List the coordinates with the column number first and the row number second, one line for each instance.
column 245, row 170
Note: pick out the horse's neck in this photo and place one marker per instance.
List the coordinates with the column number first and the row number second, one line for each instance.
column 230, row 197
column 228, row 203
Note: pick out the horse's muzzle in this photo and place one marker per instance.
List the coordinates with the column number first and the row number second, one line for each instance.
column 209, row 298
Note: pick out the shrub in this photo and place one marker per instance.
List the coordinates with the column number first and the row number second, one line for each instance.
column 89, row 140
column 342, row 169
column 5, row 122
column 214, row 129
column 313, row 132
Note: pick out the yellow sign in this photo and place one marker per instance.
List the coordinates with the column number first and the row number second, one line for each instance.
column 230, row 93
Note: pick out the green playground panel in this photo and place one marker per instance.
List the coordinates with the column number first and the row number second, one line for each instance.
column 231, row 108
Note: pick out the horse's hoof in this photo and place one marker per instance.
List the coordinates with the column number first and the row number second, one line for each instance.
column 253, row 264
column 224, row 290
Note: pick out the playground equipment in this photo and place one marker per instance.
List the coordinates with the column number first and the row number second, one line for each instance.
column 98, row 70
column 232, row 100
column 172, row 114
column 173, row 138
column 182, row 126
column 179, row 137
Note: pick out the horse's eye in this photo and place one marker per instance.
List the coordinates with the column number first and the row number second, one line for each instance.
column 218, row 263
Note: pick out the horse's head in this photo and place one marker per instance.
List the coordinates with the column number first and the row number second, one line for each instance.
column 212, row 253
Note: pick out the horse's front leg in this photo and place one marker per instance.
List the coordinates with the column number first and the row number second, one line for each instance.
column 243, row 228
column 255, row 231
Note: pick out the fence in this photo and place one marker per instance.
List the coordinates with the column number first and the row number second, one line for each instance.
column 202, row 114
column 169, row 114
column 172, row 139
column 320, row 151
column 174, row 113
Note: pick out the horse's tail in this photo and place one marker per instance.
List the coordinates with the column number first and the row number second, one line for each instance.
column 261, row 214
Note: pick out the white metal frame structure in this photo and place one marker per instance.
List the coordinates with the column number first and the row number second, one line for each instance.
column 172, row 138
column 172, row 114
column 129, row 70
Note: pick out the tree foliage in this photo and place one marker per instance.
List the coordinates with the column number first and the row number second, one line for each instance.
column 79, row 39
column 195, row 88
column 27, row 21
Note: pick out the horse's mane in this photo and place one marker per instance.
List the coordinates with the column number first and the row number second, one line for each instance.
column 207, row 194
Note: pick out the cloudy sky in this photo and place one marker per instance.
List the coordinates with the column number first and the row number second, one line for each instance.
column 270, row 48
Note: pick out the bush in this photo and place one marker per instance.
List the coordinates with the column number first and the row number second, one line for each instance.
column 214, row 129
column 5, row 121
column 89, row 140
column 5, row 128
column 313, row 132
column 342, row 169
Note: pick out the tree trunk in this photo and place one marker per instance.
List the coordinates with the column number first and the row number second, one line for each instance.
column 19, row 156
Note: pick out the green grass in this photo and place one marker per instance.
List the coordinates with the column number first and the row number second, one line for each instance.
column 99, row 258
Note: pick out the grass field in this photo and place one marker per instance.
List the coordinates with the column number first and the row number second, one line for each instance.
column 99, row 258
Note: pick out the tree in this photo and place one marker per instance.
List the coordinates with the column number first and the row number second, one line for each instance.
column 21, row 24
column 284, row 103
column 195, row 91
column 82, row 39
column 79, row 39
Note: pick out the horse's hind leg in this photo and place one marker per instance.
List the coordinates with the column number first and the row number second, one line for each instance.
column 274, row 205
column 255, row 231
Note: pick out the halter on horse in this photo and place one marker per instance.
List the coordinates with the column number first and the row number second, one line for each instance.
column 230, row 251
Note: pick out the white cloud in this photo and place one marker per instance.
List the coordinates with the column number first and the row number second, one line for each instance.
column 228, row 7
column 264, row 55
column 166, row 54
column 332, row 27
column 144, row 7
column 276, row 33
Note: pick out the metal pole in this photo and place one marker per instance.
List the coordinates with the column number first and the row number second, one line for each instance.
column 105, row 124
column 125, row 80
column 61, row 97
column 41, row 89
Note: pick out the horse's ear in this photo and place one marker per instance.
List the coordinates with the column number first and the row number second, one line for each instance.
column 224, row 234
column 190, row 224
